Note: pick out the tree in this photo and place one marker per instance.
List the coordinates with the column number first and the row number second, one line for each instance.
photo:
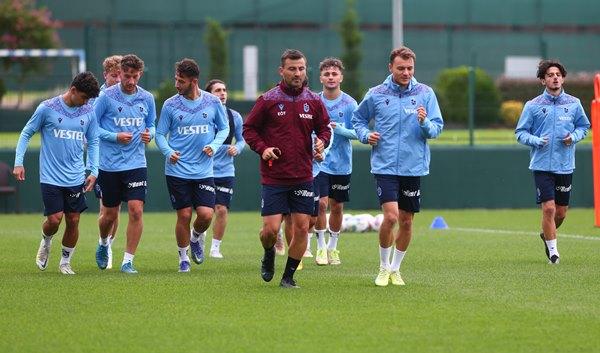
column 352, row 56
column 23, row 26
column 215, row 39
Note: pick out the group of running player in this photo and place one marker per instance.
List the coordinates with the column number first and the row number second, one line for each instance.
column 304, row 143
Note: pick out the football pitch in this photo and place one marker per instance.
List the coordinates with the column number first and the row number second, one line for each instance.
column 483, row 285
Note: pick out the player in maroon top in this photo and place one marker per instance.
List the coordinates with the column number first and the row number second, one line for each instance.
column 279, row 128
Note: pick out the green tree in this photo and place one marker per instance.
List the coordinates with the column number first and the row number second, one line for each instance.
column 451, row 87
column 352, row 56
column 215, row 38
column 23, row 26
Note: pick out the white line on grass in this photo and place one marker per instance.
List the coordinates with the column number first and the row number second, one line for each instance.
column 502, row 231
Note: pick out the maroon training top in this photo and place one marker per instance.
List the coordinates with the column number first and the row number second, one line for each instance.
column 284, row 118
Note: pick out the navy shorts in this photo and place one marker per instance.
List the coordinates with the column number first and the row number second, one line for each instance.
column 224, row 190
column 186, row 193
column 406, row 190
column 279, row 199
column 122, row 186
column 336, row 187
column 63, row 199
column 551, row 186
column 316, row 197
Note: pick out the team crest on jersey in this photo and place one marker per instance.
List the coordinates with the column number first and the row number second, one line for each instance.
column 306, row 107
column 413, row 101
column 204, row 115
column 120, row 109
column 341, row 114
column 566, row 110
column 387, row 101
column 81, row 122
column 59, row 120
column 180, row 117
column 281, row 106
column 141, row 109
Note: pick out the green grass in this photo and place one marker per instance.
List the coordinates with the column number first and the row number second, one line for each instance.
column 481, row 286
column 454, row 137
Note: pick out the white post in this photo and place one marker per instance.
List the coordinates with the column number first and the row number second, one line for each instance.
column 397, row 24
column 250, row 72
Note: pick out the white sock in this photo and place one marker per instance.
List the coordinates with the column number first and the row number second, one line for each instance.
column 333, row 239
column 66, row 255
column 104, row 241
column 111, row 238
column 127, row 257
column 552, row 248
column 198, row 237
column 183, row 256
column 384, row 257
column 397, row 260
column 320, row 234
column 216, row 244
column 310, row 235
column 47, row 239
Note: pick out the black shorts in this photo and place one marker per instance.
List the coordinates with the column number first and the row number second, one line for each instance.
column 551, row 186
column 63, row 199
column 191, row 192
column 224, row 190
column 122, row 186
column 406, row 190
column 278, row 199
column 336, row 187
column 316, row 196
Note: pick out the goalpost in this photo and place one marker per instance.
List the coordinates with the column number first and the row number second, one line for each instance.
column 596, row 148
column 77, row 55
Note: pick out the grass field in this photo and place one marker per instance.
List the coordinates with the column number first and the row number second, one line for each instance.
column 481, row 286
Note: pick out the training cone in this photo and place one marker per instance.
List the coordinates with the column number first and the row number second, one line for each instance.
column 438, row 223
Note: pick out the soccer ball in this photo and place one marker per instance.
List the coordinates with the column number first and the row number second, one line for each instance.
column 362, row 222
column 348, row 223
column 376, row 222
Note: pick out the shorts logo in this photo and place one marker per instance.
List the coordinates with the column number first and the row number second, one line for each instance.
column 539, row 193
column 225, row 190
column 409, row 193
column 207, row 188
column 262, row 203
column 340, row 187
column 306, row 107
column 75, row 195
column 173, row 199
column 304, row 193
column 562, row 188
column 136, row 184
column 378, row 191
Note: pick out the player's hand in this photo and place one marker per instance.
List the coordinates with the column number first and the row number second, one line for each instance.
column 568, row 140
column 540, row 141
column 208, row 150
column 319, row 145
column 89, row 183
column 271, row 153
column 421, row 114
column 19, row 173
column 373, row 138
column 232, row 151
column 174, row 157
column 319, row 157
column 124, row 137
column 146, row 137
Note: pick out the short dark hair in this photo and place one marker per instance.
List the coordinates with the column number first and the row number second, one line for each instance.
column 211, row 83
column 544, row 65
column 188, row 68
column 132, row 61
column 403, row 52
column 87, row 83
column 292, row 54
column 331, row 62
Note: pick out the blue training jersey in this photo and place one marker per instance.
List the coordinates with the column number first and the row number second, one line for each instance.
column 120, row 112
column 339, row 159
column 223, row 162
column 190, row 126
column 63, row 131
